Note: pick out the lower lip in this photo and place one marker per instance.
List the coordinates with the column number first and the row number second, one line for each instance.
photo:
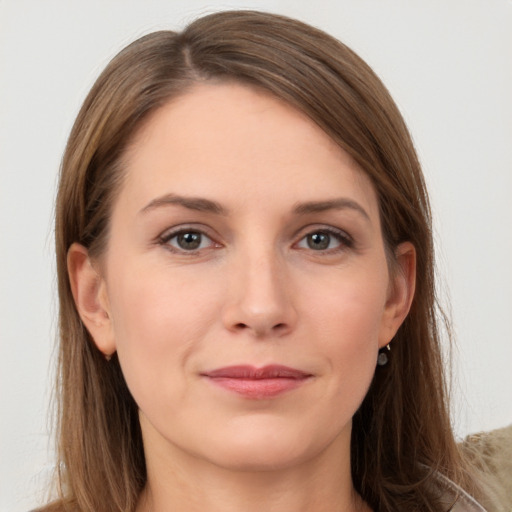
column 258, row 389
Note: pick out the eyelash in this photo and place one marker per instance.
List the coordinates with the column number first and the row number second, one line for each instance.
column 166, row 238
column 344, row 240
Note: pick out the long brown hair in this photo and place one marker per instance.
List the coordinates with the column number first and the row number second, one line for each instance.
column 401, row 433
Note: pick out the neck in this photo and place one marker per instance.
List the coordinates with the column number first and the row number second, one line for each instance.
column 250, row 492
column 183, row 482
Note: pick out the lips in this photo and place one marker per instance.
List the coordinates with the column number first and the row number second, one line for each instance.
column 257, row 383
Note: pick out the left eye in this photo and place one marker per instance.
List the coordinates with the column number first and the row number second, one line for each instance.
column 322, row 241
column 188, row 240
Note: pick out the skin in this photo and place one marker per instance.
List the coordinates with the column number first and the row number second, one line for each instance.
column 256, row 291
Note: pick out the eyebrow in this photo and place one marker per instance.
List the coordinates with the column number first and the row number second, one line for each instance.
column 207, row 205
column 192, row 203
column 341, row 203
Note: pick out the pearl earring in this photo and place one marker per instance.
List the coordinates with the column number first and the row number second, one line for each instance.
column 382, row 359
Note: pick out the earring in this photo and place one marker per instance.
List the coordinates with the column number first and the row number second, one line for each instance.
column 382, row 359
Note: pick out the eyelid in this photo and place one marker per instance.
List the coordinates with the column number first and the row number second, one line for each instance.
column 170, row 233
column 345, row 239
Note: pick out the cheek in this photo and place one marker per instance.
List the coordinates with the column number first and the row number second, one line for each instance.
column 343, row 318
column 159, row 318
column 348, row 314
column 151, row 299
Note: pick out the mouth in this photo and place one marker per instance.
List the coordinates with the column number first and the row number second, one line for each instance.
column 257, row 383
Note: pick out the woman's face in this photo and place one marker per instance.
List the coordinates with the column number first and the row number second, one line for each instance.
column 245, row 286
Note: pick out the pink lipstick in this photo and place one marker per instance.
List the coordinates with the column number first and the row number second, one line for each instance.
column 257, row 383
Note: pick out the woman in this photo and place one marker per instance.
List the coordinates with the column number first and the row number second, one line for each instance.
column 248, row 314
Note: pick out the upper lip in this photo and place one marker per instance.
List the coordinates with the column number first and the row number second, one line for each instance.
column 273, row 371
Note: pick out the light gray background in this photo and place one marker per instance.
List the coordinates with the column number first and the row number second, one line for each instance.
column 448, row 63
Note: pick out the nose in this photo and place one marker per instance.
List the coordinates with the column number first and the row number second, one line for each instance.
column 260, row 298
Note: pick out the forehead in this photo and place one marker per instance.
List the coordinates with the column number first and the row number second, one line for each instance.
column 218, row 139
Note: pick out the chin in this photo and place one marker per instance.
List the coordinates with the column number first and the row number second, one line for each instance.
column 243, row 458
column 265, row 449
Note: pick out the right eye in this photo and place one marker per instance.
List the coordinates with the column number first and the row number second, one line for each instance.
column 187, row 240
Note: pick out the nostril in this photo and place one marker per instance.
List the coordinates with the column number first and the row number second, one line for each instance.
column 240, row 326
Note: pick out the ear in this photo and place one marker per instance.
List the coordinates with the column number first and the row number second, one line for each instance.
column 91, row 300
column 401, row 292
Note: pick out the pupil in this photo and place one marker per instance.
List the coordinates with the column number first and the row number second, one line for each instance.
column 318, row 241
column 189, row 240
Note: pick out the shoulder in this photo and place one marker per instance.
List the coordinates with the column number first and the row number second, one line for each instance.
column 457, row 499
column 58, row 506
column 490, row 453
